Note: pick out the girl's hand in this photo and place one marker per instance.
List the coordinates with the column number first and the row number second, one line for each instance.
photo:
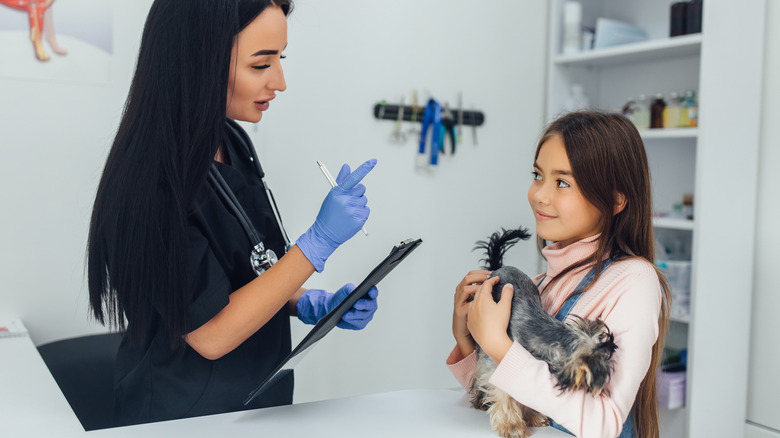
column 487, row 320
column 464, row 294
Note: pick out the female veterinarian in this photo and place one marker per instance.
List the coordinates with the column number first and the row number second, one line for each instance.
column 178, row 251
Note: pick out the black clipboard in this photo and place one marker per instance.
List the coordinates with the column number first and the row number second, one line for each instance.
column 329, row 321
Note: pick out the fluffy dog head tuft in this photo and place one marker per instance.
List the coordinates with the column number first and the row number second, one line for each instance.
column 590, row 362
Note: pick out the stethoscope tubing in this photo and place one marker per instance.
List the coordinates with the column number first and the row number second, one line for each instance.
column 236, row 206
column 229, row 199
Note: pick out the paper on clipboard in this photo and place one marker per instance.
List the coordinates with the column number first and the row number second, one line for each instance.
column 329, row 321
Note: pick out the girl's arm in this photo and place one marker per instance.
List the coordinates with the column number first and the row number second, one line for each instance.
column 252, row 306
column 488, row 320
column 464, row 295
column 462, row 361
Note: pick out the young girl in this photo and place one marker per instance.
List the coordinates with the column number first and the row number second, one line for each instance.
column 591, row 198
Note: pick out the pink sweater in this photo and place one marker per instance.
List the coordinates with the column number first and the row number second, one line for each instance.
column 627, row 298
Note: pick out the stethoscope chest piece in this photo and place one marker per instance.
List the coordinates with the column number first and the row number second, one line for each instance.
column 262, row 259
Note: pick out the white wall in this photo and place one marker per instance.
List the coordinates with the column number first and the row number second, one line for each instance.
column 343, row 57
column 764, row 388
column 55, row 136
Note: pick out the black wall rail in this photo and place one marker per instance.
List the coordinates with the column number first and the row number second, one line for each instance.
column 390, row 112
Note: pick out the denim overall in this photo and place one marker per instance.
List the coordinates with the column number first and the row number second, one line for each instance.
column 628, row 426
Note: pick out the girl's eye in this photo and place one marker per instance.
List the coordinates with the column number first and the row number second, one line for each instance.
column 563, row 184
column 536, row 176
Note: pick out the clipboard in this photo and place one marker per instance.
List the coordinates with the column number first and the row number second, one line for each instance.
column 329, row 321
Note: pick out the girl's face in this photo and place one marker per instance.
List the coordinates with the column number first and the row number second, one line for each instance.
column 255, row 66
column 562, row 213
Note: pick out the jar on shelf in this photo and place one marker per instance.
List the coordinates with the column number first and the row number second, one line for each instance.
column 687, row 205
column 672, row 111
column 657, row 112
column 689, row 112
column 572, row 27
column 642, row 112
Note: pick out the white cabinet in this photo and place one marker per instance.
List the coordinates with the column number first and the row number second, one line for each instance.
column 717, row 162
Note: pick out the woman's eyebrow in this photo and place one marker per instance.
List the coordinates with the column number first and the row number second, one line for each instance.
column 265, row 52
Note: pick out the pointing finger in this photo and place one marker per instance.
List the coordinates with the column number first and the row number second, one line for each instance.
column 357, row 175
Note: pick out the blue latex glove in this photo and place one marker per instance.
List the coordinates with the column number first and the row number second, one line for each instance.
column 316, row 303
column 342, row 214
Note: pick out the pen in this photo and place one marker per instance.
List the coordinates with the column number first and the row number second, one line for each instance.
column 333, row 184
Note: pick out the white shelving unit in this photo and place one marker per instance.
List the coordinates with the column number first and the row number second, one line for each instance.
column 644, row 51
column 717, row 162
column 673, row 223
column 649, row 134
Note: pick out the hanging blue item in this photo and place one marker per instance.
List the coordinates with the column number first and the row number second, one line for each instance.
column 432, row 121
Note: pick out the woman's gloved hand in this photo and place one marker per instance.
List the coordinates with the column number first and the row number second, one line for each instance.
column 316, row 303
column 342, row 214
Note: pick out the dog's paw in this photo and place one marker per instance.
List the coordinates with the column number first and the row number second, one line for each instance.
column 508, row 417
column 535, row 419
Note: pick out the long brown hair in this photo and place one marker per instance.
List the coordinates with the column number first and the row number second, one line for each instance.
column 608, row 158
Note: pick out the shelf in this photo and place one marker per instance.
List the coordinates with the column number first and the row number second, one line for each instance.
column 673, row 223
column 680, row 319
column 686, row 45
column 669, row 133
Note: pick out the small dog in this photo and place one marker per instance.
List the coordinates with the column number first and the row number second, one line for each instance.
column 578, row 352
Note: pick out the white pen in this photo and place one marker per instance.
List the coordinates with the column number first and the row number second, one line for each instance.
column 332, row 182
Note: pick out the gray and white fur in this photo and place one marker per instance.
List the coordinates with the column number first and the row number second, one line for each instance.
column 578, row 352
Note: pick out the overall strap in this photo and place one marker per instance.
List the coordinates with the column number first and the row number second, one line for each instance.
column 628, row 427
column 572, row 300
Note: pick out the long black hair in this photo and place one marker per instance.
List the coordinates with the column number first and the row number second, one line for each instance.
column 170, row 131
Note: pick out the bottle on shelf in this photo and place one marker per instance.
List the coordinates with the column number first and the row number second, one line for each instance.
column 672, row 111
column 588, row 35
column 678, row 15
column 577, row 99
column 642, row 112
column 572, row 27
column 689, row 113
column 687, row 206
column 693, row 17
column 677, row 212
column 657, row 112
column 684, row 121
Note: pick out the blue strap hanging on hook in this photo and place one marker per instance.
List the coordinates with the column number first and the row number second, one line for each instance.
column 432, row 122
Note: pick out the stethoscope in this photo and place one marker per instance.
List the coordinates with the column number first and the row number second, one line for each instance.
column 260, row 258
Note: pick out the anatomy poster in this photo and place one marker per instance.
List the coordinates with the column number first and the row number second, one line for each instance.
column 56, row 40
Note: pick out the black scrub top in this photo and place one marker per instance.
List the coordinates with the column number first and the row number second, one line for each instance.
column 155, row 382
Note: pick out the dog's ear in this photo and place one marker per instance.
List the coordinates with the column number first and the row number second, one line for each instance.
column 582, row 377
column 607, row 344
